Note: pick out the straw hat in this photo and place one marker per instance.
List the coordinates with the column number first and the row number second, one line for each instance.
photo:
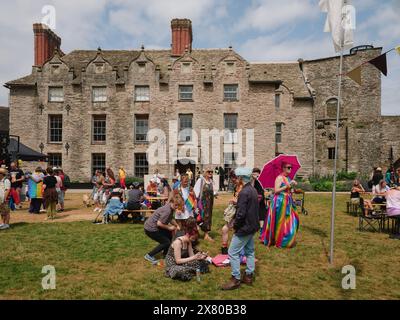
column 3, row 171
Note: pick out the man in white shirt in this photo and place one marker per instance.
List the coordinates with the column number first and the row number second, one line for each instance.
column 5, row 186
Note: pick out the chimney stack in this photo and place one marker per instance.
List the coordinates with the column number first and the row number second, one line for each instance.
column 45, row 43
column 181, row 36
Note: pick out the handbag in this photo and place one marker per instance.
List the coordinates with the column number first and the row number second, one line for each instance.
column 229, row 212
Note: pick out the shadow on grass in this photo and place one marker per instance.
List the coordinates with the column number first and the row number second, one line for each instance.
column 323, row 235
column 18, row 225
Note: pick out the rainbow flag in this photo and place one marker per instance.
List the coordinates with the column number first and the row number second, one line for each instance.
column 190, row 202
column 35, row 185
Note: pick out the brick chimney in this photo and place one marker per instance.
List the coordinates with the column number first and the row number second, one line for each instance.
column 45, row 43
column 181, row 36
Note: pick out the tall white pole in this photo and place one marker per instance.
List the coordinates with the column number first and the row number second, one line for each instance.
column 336, row 157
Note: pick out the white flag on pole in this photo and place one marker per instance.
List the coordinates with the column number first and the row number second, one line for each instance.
column 340, row 21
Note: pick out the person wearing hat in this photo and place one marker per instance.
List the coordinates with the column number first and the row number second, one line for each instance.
column 205, row 192
column 5, row 187
column 245, row 226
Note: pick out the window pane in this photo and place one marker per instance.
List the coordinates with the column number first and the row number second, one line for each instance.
column 99, row 94
column 141, row 127
column 99, row 128
column 55, row 159
column 98, row 162
column 185, row 92
column 230, row 91
column 55, row 128
column 230, row 123
column 56, row 94
column 277, row 100
column 185, row 127
column 142, row 93
column 278, row 133
column 141, row 165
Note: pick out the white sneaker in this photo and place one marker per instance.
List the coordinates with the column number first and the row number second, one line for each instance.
column 95, row 209
column 4, row 226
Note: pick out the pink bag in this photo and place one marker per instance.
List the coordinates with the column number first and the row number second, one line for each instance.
column 219, row 260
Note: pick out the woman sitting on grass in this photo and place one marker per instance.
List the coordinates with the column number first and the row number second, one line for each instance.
column 161, row 228
column 181, row 262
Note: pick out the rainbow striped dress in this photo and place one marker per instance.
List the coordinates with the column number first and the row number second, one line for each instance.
column 282, row 222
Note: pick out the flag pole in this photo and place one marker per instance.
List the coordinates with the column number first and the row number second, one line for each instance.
column 336, row 156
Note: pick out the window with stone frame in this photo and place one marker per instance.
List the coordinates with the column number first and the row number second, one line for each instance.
column 231, row 92
column 142, row 93
column 331, row 108
column 230, row 126
column 98, row 162
column 277, row 100
column 278, row 132
column 331, row 153
column 141, row 127
column 56, row 94
column 185, row 127
column 55, row 128
column 141, row 165
column 54, row 159
column 99, row 129
column 99, row 94
column 186, row 92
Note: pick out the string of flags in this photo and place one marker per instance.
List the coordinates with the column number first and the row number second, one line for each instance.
column 379, row 62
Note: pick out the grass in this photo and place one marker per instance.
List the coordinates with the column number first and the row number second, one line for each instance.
column 106, row 262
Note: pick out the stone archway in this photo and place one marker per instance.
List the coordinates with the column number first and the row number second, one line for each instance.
column 183, row 164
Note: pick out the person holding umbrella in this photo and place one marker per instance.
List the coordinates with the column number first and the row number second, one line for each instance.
column 282, row 222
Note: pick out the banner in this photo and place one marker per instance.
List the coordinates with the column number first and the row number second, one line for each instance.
column 380, row 63
column 355, row 75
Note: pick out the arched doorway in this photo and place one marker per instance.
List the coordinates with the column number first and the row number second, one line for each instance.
column 183, row 164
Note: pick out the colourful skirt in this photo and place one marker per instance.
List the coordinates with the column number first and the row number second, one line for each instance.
column 282, row 222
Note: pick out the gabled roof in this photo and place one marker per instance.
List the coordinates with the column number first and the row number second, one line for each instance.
column 288, row 73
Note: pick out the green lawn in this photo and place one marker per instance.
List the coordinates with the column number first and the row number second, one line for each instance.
column 106, row 262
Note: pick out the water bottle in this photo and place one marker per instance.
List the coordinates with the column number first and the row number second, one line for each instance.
column 198, row 273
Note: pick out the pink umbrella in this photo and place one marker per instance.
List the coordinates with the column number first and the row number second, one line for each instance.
column 273, row 168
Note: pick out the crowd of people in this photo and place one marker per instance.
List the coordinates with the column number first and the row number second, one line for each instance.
column 45, row 191
column 380, row 186
column 177, row 226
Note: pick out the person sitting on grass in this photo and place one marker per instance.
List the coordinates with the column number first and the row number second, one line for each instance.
column 115, row 206
column 181, row 262
column 5, row 187
column 160, row 227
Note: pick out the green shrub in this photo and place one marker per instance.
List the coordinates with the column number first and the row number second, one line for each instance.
column 130, row 180
column 343, row 175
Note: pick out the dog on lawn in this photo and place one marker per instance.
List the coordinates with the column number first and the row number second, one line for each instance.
column 87, row 202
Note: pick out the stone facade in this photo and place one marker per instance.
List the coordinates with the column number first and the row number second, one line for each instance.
column 303, row 88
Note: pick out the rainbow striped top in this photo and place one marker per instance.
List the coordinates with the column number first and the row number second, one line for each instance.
column 35, row 184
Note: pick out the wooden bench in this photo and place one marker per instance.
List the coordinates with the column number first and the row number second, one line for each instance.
column 136, row 214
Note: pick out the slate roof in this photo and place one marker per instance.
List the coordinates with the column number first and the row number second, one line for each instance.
column 288, row 74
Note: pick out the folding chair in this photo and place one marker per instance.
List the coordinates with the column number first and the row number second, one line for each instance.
column 368, row 221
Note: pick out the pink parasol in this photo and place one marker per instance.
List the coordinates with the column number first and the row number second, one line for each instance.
column 273, row 168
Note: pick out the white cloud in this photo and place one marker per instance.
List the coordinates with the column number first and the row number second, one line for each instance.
column 265, row 15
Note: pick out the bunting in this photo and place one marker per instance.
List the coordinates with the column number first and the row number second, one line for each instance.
column 380, row 63
column 355, row 75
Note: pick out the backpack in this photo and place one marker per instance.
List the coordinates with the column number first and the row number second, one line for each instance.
column 67, row 181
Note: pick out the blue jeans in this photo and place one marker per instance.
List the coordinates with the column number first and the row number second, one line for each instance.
column 238, row 244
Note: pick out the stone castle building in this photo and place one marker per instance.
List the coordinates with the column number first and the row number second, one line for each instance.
column 88, row 109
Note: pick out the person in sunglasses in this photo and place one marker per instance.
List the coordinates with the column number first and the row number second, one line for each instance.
column 282, row 222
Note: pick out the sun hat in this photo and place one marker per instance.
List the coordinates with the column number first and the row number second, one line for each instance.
column 3, row 171
column 244, row 173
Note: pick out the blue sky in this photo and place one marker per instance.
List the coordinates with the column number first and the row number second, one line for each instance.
column 259, row 30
